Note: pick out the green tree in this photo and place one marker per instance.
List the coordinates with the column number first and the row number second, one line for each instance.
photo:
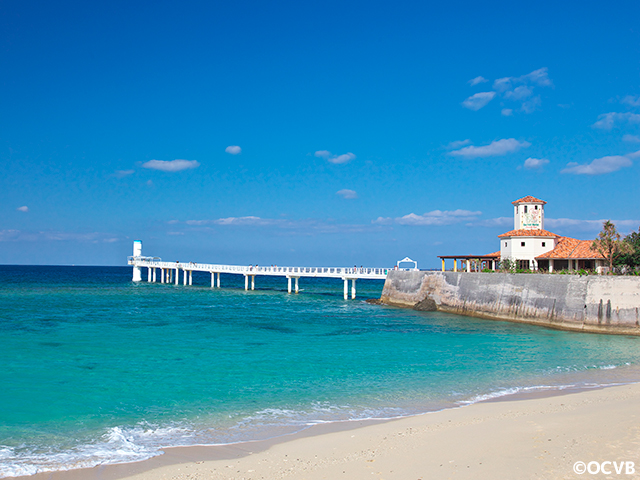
column 631, row 258
column 609, row 244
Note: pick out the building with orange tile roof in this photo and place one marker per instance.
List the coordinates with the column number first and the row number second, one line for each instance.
column 534, row 248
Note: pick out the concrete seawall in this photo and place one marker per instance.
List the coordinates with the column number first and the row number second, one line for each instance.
column 602, row 304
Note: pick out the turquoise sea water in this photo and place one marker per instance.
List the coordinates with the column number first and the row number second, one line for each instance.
column 96, row 369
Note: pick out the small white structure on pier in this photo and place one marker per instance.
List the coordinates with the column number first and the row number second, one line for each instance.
column 170, row 272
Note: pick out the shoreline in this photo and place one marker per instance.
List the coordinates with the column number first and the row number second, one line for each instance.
column 356, row 444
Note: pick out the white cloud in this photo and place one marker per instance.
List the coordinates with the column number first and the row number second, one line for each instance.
column 171, row 165
column 607, row 121
column 435, row 217
column 458, row 144
column 631, row 138
column 123, row 173
column 495, row 148
column 519, row 90
column 518, row 93
column 248, row 220
column 539, row 77
column 477, row 80
column 535, row 163
column 631, row 100
column 277, row 225
column 56, row 236
column 347, row 194
column 479, row 100
column 603, row 165
column 233, row 149
column 531, row 105
column 344, row 158
column 23, row 209
column 586, row 225
column 494, row 222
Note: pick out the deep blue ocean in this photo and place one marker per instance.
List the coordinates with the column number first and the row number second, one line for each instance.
column 97, row 369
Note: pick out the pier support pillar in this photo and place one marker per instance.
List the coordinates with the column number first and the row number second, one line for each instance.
column 162, row 275
column 289, row 284
column 346, row 288
column 246, row 282
column 353, row 288
column 184, row 277
column 154, row 275
column 177, row 276
column 218, row 280
column 213, row 279
column 190, row 277
column 253, row 282
column 297, row 289
column 149, row 274
column 137, row 274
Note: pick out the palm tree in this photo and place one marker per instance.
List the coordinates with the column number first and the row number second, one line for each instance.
column 609, row 244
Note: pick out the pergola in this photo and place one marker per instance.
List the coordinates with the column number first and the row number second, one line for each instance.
column 492, row 257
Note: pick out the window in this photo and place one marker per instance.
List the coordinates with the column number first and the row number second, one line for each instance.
column 525, row 209
column 505, row 244
column 522, row 244
column 536, row 207
column 544, row 244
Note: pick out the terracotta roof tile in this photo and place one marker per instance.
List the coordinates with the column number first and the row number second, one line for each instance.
column 572, row 248
column 529, row 199
column 529, row 233
column 583, row 250
column 563, row 249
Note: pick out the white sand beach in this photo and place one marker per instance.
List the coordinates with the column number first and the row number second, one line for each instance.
column 540, row 437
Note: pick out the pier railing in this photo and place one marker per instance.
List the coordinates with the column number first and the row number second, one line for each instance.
column 170, row 272
column 331, row 272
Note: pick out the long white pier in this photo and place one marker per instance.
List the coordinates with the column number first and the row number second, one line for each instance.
column 169, row 272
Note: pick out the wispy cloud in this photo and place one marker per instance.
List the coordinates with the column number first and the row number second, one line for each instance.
column 631, row 138
column 435, row 217
column 607, row 121
column 458, row 144
column 589, row 225
column 493, row 222
column 233, row 149
column 477, row 80
column 277, row 226
column 631, row 100
column 171, row 165
column 600, row 166
column 123, row 173
column 535, row 163
column 519, row 90
column 538, row 77
column 24, row 208
column 347, row 194
column 337, row 159
column 495, row 148
column 477, row 101
column 55, row 236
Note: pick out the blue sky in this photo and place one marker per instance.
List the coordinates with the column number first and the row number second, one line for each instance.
column 311, row 133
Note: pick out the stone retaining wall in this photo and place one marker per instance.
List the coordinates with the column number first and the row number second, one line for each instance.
column 594, row 303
